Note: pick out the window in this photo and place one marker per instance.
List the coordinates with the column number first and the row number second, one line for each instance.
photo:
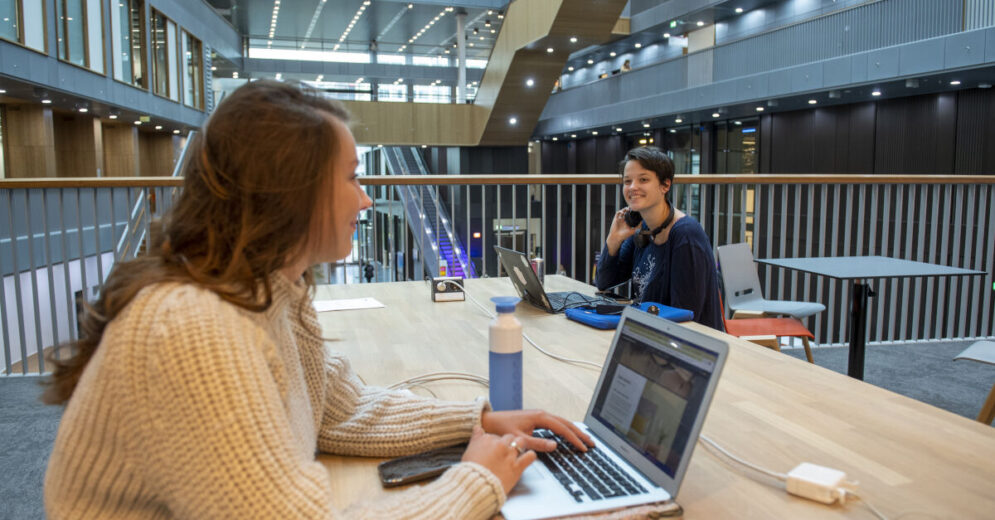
column 347, row 91
column 10, row 14
column 432, row 94
column 392, row 92
column 79, row 33
column 70, row 31
column 193, row 71
column 160, row 54
column 128, row 42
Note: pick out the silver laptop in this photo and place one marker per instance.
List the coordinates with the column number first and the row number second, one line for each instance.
column 530, row 289
column 645, row 417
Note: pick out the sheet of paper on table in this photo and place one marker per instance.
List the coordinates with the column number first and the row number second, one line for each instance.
column 346, row 304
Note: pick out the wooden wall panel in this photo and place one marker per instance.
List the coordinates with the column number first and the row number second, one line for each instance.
column 434, row 124
column 78, row 145
column 157, row 154
column 30, row 140
column 120, row 150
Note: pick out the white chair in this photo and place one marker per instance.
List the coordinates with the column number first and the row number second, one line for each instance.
column 741, row 286
column 983, row 351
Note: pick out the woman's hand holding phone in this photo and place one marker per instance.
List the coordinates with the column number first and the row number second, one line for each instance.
column 624, row 225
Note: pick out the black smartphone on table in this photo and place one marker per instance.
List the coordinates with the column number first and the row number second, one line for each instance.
column 420, row 466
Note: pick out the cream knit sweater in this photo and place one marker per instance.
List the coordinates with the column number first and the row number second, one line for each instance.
column 195, row 408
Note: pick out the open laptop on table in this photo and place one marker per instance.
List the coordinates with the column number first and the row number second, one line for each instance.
column 529, row 288
column 645, row 416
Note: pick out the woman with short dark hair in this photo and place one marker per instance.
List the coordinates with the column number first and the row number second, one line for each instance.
column 201, row 386
column 661, row 249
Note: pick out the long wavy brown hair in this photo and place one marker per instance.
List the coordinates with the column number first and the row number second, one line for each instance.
column 251, row 184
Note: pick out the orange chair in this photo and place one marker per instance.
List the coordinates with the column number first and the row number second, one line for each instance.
column 766, row 331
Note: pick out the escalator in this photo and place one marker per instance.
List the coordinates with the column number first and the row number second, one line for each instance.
column 434, row 236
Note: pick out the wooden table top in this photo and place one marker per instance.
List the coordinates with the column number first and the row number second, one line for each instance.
column 770, row 409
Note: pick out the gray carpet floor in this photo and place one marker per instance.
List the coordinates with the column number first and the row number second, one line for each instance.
column 924, row 371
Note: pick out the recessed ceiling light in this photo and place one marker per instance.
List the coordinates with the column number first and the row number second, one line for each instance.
column 84, row 110
column 529, row 82
column 594, row 132
column 411, row 6
column 639, row 46
column 556, row 138
column 646, row 125
column 678, row 120
column 619, row 129
column 570, row 68
column 46, row 101
column 739, row 10
column 158, row 127
column 760, row 109
column 112, row 116
column 612, row 54
column 955, row 82
column 512, row 120
column 573, row 136
column 737, row 123
column 590, row 62
column 549, row 50
column 716, row 114
column 666, row 35
column 876, row 93
column 573, row 39
column 424, row 146
column 673, row 131
column 3, row 91
column 812, row 102
column 137, row 123
column 700, row 23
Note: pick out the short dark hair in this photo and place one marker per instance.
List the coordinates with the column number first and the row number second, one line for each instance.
column 653, row 159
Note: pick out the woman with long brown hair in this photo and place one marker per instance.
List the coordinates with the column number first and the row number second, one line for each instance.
column 201, row 386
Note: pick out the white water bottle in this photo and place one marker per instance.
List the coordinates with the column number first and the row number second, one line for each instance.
column 506, row 356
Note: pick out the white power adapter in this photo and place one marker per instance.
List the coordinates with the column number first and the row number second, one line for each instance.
column 819, row 483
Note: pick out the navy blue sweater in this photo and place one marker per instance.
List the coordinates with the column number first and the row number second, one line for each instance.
column 680, row 273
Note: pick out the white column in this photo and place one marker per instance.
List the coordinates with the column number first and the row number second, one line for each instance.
column 461, row 53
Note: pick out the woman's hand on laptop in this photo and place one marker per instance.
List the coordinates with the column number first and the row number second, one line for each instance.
column 503, row 455
column 521, row 423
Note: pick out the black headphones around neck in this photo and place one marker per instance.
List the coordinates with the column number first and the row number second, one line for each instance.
column 643, row 237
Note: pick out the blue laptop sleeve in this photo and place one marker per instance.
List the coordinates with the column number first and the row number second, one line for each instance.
column 588, row 316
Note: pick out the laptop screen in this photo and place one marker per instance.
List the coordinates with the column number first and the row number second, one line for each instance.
column 653, row 391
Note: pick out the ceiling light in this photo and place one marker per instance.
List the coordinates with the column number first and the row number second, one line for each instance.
column 678, row 120
column 594, row 132
column 411, row 6
column 646, row 125
column 279, row 75
column 83, row 110
column 876, row 92
column 112, row 116
column 470, row 44
column 716, row 114
column 487, row 23
column 700, row 23
column 481, row 38
column 320, row 77
column 556, row 138
column 760, row 109
column 176, row 131
column 476, row 31
column 424, row 146
column 46, row 101
column 570, row 68
column 493, row 31
column 512, row 120
column 234, row 75
column 529, row 82
column 137, row 123
column 612, row 54
column 549, row 50
column 158, row 127
column 639, row 46
column 739, row 10
column 812, row 102
column 666, row 35
column 490, row 12
column 573, row 39
column 573, row 136
column 984, row 85
column 673, row 131
column 955, row 82
column 737, row 123
column 619, row 129
column 590, row 62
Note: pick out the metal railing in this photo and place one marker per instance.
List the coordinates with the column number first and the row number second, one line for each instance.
column 940, row 219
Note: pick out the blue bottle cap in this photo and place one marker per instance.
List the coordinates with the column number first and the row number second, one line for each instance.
column 506, row 303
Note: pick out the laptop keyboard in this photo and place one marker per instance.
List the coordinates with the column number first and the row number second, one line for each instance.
column 589, row 473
